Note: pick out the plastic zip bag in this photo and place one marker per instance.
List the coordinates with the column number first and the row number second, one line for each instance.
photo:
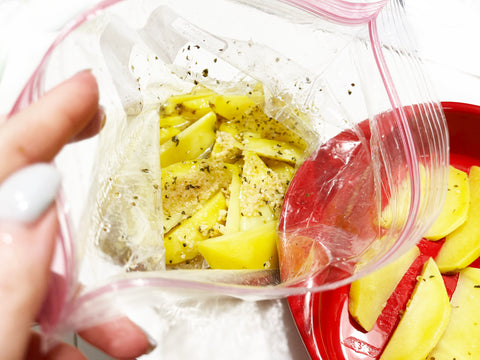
column 376, row 141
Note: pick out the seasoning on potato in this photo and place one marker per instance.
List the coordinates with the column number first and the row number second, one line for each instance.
column 458, row 224
column 225, row 166
column 455, row 209
column 462, row 246
column 425, row 319
column 460, row 339
column 368, row 295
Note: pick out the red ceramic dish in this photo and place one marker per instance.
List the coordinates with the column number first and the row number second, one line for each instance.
column 323, row 320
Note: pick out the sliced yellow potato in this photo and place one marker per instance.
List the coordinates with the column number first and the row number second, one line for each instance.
column 462, row 246
column 263, row 215
column 232, row 223
column 255, row 177
column 255, row 123
column 274, row 149
column 200, row 89
column 187, row 185
column 226, row 148
column 369, row 295
column 402, row 206
column 258, row 95
column 170, row 221
column 284, row 171
column 461, row 339
column 191, row 142
column 260, row 186
column 181, row 243
column 232, row 106
column 198, row 107
column 231, row 128
column 169, row 109
column 268, row 128
column 173, row 120
column 424, row 321
column 192, row 170
column 176, row 170
column 455, row 209
column 166, row 134
column 199, row 94
column 202, row 152
column 251, row 249
column 241, row 129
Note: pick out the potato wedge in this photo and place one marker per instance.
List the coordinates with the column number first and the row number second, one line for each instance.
column 424, row 320
column 191, row 142
column 260, row 186
column 174, row 120
column 455, row 208
column 226, row 148
column 274, row 149
column 369, row 295
column 258, row 95
column 198, row 107
column 232, row 106
column 284, row 171
column 264, row 215
column 202, row 152
column 168, row 133
column 187, row 185
column 461, row 338
column 301, row 256
column 181, row 243
column 255, row 248
column 203, row 93
column 232, row 223
column 462, row 246
column 402, row 206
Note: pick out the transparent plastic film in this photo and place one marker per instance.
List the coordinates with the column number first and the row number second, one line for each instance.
column 294, row 154
column 233, row 68
column 424, row 130
column 382, row 206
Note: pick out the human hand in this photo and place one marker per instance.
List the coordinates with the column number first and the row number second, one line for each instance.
column 28, row 230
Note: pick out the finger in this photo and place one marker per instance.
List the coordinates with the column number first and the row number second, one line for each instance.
column 119, row 338
column 37, row 133
column 25, row 254
column 93, row 127
column 28, row 229
column 61, row 351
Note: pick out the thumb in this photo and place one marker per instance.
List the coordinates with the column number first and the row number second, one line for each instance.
column 28, row 228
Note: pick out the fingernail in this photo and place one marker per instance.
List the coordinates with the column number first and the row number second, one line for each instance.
column 152, row 343
column 151, row 348
column 99, row 119
column 95, row 125
column 102, row 116
column 84, row 71
column 27, row 193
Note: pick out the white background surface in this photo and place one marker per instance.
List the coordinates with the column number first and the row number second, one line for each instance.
column 447, row 33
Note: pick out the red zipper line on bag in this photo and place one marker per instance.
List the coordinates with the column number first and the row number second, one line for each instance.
column 340, row 11
column 350, row 13
column 405, row 133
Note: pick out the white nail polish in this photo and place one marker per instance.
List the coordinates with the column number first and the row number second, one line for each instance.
column 27, row 193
